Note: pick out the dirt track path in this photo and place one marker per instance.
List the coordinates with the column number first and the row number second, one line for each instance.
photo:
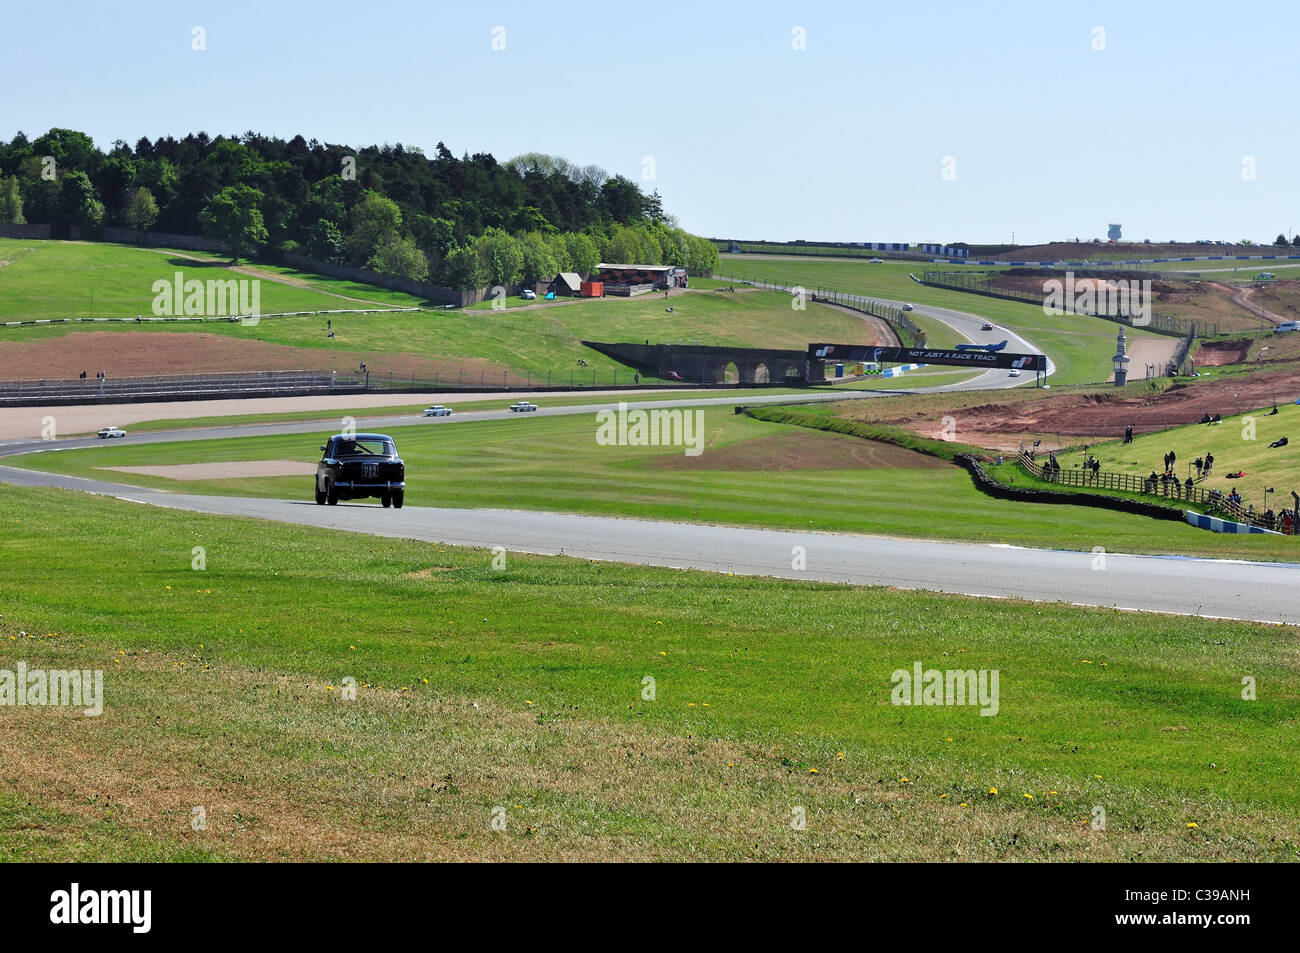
column 1241, row 297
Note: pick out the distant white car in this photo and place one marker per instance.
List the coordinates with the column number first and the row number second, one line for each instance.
column 1014, row 372
column 877, row 261
column 528, row 294
column 907, row 307
column 437, row 410
column 523, row 407
column 108, row 433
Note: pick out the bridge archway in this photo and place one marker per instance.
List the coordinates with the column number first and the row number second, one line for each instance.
column 726, row 372
column 759, row 374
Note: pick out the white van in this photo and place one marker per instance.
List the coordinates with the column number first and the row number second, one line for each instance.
column 1287, row 326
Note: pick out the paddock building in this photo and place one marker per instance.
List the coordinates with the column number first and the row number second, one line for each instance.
column 637, row 279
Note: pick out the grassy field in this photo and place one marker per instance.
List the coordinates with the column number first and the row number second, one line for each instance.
column 53, row 279
column 1239, row 443
column 1080, row 346
column 750, row 473
column 525, row 692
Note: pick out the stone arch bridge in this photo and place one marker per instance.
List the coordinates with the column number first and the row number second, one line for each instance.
column 703, row 364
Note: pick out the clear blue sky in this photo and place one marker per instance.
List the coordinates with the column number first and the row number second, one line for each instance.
column 844, row 140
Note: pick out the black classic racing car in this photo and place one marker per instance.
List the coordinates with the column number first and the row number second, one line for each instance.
column 356, row 466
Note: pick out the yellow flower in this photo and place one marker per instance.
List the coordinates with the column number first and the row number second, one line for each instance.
column 169, row 588
column 1192, row 824
column 329, row 688
column 993, row 791
column 964, row 804
column 527, row 702
column 950, row 739
column 1051, row 792
column 942, row 796
column 731, row 764
column 663, row 653
column 690, row 704
column 904, row 781
column 1030, row 796
column 839, row 756
column 812, row 770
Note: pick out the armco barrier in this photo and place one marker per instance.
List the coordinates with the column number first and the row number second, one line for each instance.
column 1214, row 524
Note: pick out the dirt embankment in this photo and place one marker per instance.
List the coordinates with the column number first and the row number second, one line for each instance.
column 1103, row 416
column 149, row 353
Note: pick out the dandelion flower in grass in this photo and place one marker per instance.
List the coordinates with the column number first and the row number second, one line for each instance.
column 904, row 781
column 663, row 653
column 706, row 704
column 1052, row 792
column 169, row 588
column 993, row 791
column 731, row 764
column 942, row 796
column 812, row 770
column 527, row 701
column 352, row 648
column 950, row 739
column 839, row 756
column 1029, row 796
column 329, row 688
column 659, row 622
column 965, row 804
column 426, row 681
column 1191, row 824
column 690, row 704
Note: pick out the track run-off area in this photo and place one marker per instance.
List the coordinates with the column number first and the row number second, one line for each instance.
column 1218, row 588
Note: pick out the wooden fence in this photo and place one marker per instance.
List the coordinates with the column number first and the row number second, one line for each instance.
column 1170, row 488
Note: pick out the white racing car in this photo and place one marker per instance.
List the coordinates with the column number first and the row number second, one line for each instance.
column 108, row 433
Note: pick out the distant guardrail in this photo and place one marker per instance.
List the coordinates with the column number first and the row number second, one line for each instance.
column 909, row 334
column 976, row 283
column 200, row 319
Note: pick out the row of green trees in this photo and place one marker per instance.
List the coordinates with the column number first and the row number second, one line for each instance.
column 462, row 222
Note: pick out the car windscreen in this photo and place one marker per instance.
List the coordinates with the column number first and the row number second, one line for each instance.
column 365, row 447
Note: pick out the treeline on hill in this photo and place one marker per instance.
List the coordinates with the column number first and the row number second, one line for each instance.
column 466, row 222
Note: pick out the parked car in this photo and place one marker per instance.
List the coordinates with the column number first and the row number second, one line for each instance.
column 907, row 307
column 358, row 466
column 523, row 407
column 108, row 433
column 986, row 326
column 437, row 410
column 528, row 294
column 1280, row 329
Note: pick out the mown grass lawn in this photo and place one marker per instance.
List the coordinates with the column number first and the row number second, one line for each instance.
column 527, row 688
column 555, row 463
column 54, row 279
